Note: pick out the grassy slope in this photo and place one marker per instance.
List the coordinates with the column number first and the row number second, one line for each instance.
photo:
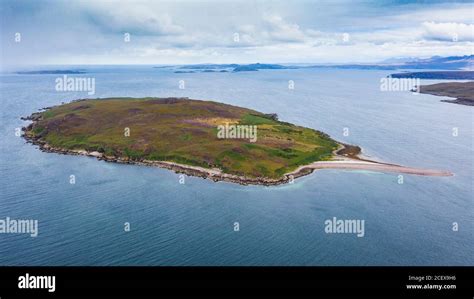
column 183, row 131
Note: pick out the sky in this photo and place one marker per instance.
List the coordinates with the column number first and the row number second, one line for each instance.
column 102, row 32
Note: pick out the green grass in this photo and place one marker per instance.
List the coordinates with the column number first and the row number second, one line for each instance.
column 252, row 119
column 37, row 130
column 183, row 131
column 48, row 114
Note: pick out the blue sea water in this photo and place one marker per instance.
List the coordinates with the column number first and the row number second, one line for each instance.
column 193, row 223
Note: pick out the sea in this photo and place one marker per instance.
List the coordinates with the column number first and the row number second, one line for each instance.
column 92, row 212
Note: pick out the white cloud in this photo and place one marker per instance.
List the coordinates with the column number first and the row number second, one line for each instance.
column 133, row 17
column 280, row 30
column 448, row 31
column 445, row 14
column 204, row 31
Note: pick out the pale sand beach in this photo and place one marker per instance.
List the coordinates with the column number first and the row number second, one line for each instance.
column 351, row 164
column 359, row 162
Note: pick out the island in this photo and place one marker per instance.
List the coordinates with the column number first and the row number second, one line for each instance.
column 199, row 138
column 208, row 68
column 463, row 92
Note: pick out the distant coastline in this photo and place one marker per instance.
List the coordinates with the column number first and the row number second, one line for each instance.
column 52, row 72
column 437, row 75
column 443, row 64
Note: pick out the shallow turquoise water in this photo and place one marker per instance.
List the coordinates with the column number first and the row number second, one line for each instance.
column 192, row 224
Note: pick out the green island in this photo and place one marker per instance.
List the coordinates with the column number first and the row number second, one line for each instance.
column 200, row 138
column 178, row 130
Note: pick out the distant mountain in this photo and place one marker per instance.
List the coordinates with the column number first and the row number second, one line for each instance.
column 357, row 66
column 445, row 63
column 397, row 60
column 436, row 62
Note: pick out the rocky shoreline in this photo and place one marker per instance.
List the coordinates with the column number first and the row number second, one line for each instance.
column 213, row 174
column 462, row 92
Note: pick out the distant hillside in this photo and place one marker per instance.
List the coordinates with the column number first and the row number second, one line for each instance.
column 462, row 91
column 436, row 62
column 437, row 75
column 445, row 63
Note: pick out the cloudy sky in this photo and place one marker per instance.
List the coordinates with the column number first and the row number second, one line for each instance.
column 179, row 32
